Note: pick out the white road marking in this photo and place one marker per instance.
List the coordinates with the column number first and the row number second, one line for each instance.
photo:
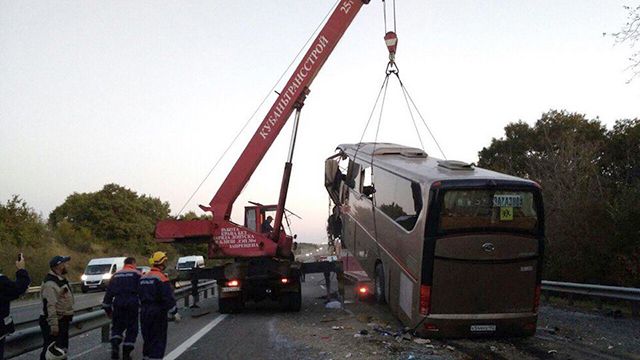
column 192, row 340
column 85, row 352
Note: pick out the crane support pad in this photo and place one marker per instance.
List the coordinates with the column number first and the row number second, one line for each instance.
column 213, row 273
column 184, row 230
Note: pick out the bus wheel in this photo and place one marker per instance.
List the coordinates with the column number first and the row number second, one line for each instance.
column 378, row 290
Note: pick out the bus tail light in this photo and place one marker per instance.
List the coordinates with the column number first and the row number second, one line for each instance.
column 536, row 299
column 431, row 327
column 425, row 299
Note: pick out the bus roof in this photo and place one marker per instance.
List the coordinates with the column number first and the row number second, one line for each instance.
column 416, row 165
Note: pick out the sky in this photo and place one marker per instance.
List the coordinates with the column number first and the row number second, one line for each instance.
column 149, row 94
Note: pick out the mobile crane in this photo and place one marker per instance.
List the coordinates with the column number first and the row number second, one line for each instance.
column 262, row 263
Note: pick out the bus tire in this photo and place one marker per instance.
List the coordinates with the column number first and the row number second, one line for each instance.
column 379, row 285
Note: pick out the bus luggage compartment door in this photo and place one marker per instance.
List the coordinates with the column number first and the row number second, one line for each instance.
column 482, row 274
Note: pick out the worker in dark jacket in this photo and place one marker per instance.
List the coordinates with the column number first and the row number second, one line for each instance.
column 157, row 301
column 10, row 290
column 266, row 225
column 122, row 304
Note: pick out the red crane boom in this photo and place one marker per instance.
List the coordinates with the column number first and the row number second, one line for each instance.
column 225, row 238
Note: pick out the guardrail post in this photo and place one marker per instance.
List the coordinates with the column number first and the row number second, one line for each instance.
column 570, row 299
column 186, row 301
column 105, row 333
column 194, row 292
column 635, row 309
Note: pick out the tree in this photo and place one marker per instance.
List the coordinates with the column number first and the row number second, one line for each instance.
column 630, row 34
column 571, row 157
column 623, row 176
column 20, row 225
column 115, row 215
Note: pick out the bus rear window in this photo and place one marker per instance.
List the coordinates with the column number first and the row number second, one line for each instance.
column 475, row 209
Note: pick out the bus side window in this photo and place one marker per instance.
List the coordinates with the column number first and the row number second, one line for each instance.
column 399, row 198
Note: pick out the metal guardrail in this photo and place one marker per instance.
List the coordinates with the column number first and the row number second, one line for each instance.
column 598, row 291
column 28, row 336
column 36, row 289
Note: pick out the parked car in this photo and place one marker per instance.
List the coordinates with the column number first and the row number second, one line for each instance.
column 98, row 273
column 143, row 269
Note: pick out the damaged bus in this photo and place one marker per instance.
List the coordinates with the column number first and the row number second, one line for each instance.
column 453, row 249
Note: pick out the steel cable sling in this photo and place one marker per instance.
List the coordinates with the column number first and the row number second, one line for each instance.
column 392, row 68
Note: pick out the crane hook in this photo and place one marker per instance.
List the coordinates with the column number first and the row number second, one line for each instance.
column 391, row 39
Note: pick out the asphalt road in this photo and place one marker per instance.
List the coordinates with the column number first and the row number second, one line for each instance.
column 263, row 332
column 227, row 336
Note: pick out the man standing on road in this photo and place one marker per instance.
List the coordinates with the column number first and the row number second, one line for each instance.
column 157, row 301
column 57, row 308
column 121, row 303
column 10, row 290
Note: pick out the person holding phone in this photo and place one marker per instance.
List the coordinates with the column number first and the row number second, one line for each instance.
column 9, row 291
column 57, row 308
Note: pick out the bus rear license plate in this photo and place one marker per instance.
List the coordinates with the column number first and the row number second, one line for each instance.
column 483, row 328
column 230, row 289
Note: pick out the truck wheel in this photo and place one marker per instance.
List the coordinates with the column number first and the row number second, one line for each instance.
column 229, row 305
column 379, row 285
column 224, row 306
column 292, row 301
column 295, row 300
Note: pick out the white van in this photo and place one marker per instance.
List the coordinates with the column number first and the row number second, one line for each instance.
column 99, row 272
column 190, row 262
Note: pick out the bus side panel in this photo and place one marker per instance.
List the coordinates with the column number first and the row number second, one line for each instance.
column 368, row 253
column 404, row 263
column 359, row 230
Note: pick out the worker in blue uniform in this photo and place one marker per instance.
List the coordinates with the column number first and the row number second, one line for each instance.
column 122, row 304
column 157, row 303
column 11, row 290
